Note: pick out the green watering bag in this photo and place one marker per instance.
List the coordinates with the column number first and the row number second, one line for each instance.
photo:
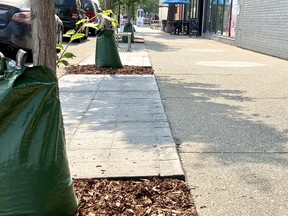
column 106, row 50
column 128, row 28
column 34, row 175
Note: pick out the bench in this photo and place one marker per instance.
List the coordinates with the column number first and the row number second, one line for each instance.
column 154, row 24
column 119, row 35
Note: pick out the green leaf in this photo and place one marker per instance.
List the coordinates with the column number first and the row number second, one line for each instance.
column 108, row 18
column 70, row 32
column 92, row 25
column 107, row 12
column 59, row 47
column 81, row 21
column 77, row 36
column 114, row 24
column 68, row 55
column 99, row 26
column 64, row 62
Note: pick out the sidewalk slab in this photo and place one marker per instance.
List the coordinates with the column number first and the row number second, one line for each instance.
column 116, row 127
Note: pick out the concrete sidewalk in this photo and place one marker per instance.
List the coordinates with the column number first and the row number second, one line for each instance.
column 115, row 125
column 227, row 109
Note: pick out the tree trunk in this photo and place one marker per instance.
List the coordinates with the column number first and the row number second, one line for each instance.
column 170, row 18
column 107, row 7
column 44, row 33
column 129, row 12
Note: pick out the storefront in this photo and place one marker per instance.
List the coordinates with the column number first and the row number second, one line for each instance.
column 251, row 24
column 220, row 17
column 214, row 17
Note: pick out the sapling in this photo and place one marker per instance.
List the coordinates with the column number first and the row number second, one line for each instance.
column 76, row 35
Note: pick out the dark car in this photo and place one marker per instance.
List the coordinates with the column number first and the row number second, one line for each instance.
column 15, row 26
column 70, row 12
column 91, row 11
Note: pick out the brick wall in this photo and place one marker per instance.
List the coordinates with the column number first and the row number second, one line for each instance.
column 262, row 26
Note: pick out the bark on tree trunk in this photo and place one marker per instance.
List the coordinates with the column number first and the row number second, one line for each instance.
column 129, row 12
column 44, row 33
column 170, row 18
column 107, row 7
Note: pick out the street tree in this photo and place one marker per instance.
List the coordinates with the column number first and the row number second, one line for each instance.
column 170, row 18
column 43, row 33
column 151, row 6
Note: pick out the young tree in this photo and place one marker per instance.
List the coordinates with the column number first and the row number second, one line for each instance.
column 131, row 7
column 151, row 6
column 43, row 33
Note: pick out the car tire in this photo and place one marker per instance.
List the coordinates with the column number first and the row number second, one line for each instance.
column 93, row 31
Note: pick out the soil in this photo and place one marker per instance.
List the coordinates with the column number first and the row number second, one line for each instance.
column 145, row 197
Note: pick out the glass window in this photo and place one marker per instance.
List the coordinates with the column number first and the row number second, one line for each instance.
column 88, row 5
column 194, row 9
column 219, row 19
column 226, row 18
column 64, row 2
column 218, row 15
column 233, row 18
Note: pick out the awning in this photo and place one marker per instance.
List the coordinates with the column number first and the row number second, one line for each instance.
column 221, row 2
column 176, row 2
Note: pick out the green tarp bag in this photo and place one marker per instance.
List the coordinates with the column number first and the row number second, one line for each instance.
column 34, row 175
column 106, row 50
column 128, row 28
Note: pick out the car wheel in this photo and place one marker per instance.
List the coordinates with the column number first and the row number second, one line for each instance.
column 93, row 31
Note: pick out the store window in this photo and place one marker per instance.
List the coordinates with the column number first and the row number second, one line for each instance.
column 226, row 18
column 221, row 17
column 194, row 9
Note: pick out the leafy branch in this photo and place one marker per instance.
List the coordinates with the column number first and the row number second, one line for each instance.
column 76, row 35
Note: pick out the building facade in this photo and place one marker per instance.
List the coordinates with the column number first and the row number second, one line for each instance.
column 258, row 25
column 262, row 26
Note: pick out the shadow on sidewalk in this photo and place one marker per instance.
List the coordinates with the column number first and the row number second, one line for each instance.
column 208, row 119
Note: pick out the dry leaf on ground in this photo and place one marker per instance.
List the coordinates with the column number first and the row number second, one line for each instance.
column 125, row 70
column 133, row 197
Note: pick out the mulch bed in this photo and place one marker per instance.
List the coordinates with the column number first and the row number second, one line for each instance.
column 144, row 197
column 133, row 197
column 93, row 69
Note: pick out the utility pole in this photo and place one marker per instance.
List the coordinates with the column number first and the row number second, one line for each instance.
column 44, row 33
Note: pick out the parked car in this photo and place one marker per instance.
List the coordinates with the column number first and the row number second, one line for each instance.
column 70, row 12
column 15, row 26
column 91, row 12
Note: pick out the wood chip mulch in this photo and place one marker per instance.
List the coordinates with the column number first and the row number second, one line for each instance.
column 93, row 69
column 145, row 197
